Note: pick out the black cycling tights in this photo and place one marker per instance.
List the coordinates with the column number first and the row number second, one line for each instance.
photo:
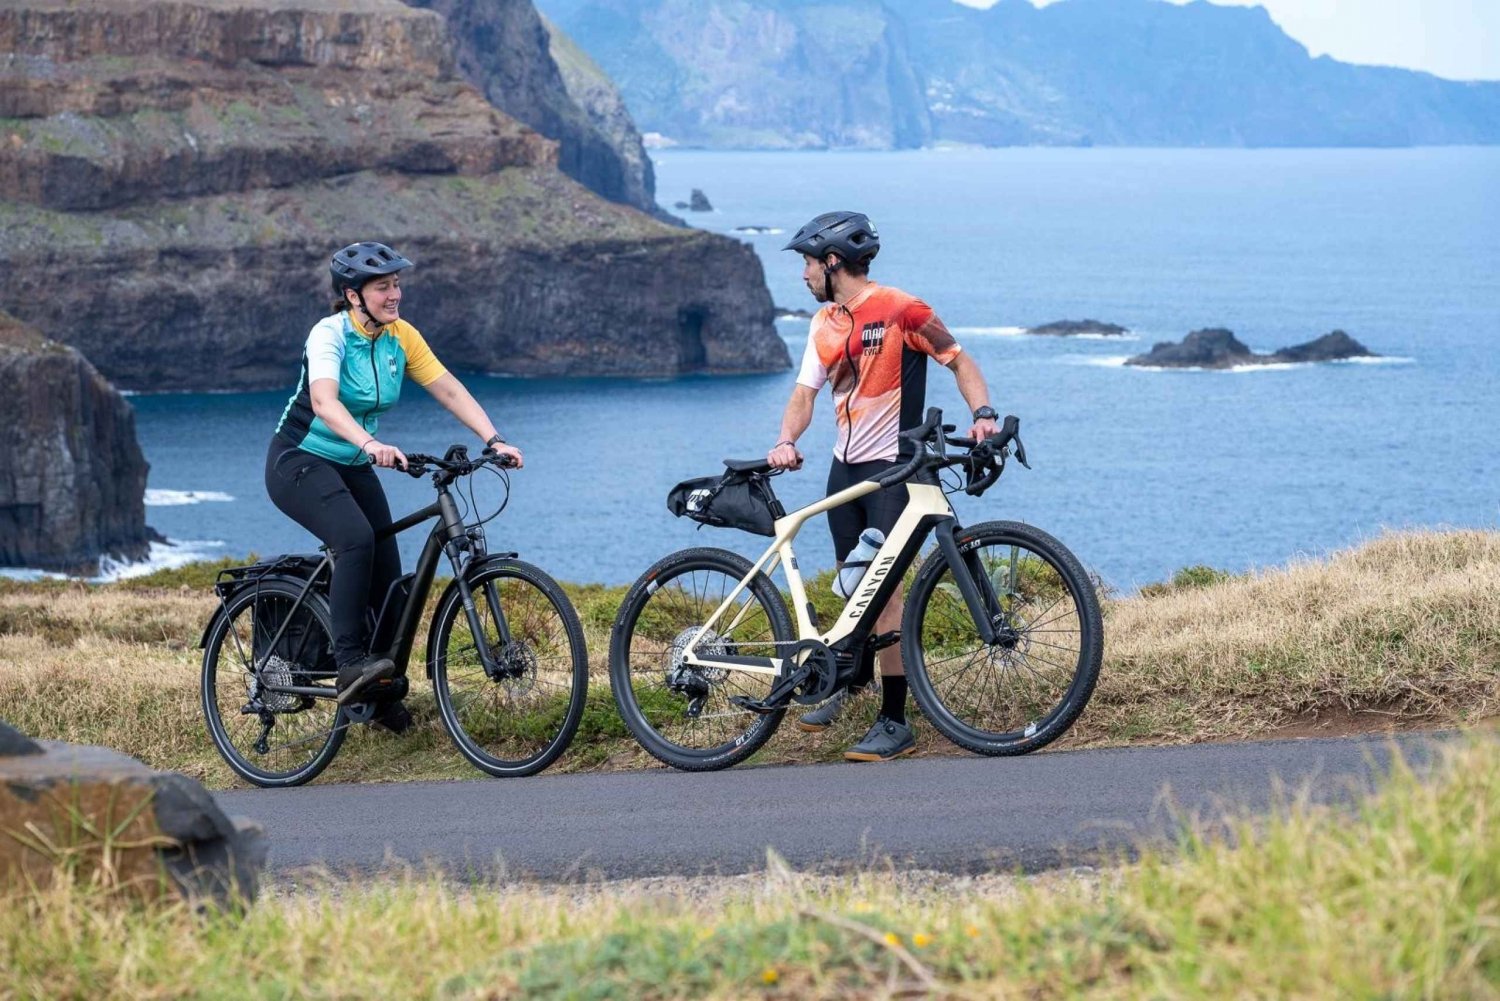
column 342, row 506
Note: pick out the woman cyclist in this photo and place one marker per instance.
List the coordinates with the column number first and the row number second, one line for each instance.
column 319, row 466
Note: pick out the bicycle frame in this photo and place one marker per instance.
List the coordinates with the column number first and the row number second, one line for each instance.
column 927, row 508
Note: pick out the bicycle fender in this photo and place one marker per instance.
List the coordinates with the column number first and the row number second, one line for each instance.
column 285, row 578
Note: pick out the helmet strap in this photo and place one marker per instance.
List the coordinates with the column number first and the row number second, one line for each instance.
column 360, row 295
column 828, row 270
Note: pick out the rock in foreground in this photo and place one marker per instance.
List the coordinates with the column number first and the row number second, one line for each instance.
column 72, row 476
column 1217, row 348
column 1077, row 328
column 57, row 799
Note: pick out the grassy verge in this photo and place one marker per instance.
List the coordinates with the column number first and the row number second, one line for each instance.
column 1403, row 631
column 1402, row 900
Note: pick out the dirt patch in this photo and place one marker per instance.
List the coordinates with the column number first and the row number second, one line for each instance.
column 1340, row 721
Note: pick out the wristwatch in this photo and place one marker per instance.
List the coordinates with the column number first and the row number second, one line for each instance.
column 493, row 439
column 985, row 413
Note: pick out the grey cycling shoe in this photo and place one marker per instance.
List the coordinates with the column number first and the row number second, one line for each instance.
column 356, row 677
column 824, row 716
column 887, row 739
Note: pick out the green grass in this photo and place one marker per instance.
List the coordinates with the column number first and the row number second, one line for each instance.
column 1401, row 632
column 1398, row 897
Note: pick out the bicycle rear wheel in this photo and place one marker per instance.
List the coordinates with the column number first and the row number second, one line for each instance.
column 681, row 714
column 1025, row 690
column 268, row 738
column 520, row 721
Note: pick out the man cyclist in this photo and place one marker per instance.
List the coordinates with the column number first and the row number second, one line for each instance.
column 871, row 344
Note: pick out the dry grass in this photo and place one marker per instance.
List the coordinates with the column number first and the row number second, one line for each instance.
column 1400, row 900
column 1403, row 631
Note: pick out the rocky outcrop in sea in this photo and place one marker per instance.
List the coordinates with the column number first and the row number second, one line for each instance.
column 72, row 477
column 174, row 175
column 1218, row 348
column 1078, row 328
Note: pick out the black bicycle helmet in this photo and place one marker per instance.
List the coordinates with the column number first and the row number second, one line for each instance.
column 360, row 262
column 851, row 235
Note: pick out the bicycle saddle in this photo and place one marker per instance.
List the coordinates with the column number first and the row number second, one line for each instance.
column 748, row 465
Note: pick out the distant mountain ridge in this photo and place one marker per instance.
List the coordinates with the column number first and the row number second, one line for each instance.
column 857, row 73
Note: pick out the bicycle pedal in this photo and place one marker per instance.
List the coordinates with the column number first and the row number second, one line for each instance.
column 752, row 705
column 885, row 639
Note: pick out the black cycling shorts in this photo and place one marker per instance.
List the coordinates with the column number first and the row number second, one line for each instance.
column 877, row 510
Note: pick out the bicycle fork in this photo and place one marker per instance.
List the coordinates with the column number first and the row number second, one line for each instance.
column 455, row 545
column 974, row 584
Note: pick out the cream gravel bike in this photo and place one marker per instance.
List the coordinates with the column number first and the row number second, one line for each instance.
column 1001, row 635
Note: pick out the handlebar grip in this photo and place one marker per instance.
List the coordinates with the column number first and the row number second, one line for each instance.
column 984, row 483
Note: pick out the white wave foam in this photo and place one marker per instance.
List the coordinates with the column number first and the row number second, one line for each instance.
column 1280, row 366
column 1116, row 338
column 162, row 556
column 1098, row 361
column 759, row 230
column 1383, row 360
column 178, row 498
column 989, row 331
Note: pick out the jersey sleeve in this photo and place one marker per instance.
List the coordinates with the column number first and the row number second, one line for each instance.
column 325, row 352
column 813, row 373
column 926, row 333
column 421, row 364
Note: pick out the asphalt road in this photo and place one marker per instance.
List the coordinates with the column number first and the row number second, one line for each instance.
column 953, row 814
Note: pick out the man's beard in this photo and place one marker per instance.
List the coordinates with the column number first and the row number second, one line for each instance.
column 817, row 293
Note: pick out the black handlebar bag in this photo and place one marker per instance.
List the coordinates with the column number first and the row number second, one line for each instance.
column 730, row 500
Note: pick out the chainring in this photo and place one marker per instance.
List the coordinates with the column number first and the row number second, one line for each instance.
column 821, row 665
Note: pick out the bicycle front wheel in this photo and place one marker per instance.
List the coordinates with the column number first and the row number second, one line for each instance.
column 270, row 738
column 1023, row 691
column 518, row 721
column 680, row 713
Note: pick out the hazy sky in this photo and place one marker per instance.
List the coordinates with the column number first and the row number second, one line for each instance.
column 1453, row 38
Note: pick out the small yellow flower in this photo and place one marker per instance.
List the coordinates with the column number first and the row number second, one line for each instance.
column 769, row 975
column 862, row 907
column 972, row 931
column 921, row 940
column 891, row 938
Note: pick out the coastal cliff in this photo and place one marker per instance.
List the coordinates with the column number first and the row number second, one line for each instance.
column 861, row 73
column 173, row 177
column 72, row 477
column 506, row 50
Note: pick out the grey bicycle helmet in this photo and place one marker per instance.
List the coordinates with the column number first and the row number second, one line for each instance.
column 851, row 235
column 360, row 262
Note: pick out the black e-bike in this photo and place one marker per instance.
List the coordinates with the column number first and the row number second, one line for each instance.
column 505, row 650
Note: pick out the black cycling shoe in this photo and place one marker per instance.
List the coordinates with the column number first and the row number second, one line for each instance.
column 392, row 716
column 356, row 677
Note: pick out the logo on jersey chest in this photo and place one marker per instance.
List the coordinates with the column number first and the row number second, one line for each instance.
column 872, row 337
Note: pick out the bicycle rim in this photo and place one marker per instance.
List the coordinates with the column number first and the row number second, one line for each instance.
column 1026, row 690
column 304, row 733
column 686, row 718
column 520, row 722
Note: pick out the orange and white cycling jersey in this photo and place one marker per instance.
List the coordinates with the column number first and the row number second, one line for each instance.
column 874, row 350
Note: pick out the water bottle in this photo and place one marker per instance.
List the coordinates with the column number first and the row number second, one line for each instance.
column 846, row 581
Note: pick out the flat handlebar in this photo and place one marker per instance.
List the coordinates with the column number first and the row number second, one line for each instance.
column 454, row 463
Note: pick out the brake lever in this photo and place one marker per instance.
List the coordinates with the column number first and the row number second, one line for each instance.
column 1020, row 453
